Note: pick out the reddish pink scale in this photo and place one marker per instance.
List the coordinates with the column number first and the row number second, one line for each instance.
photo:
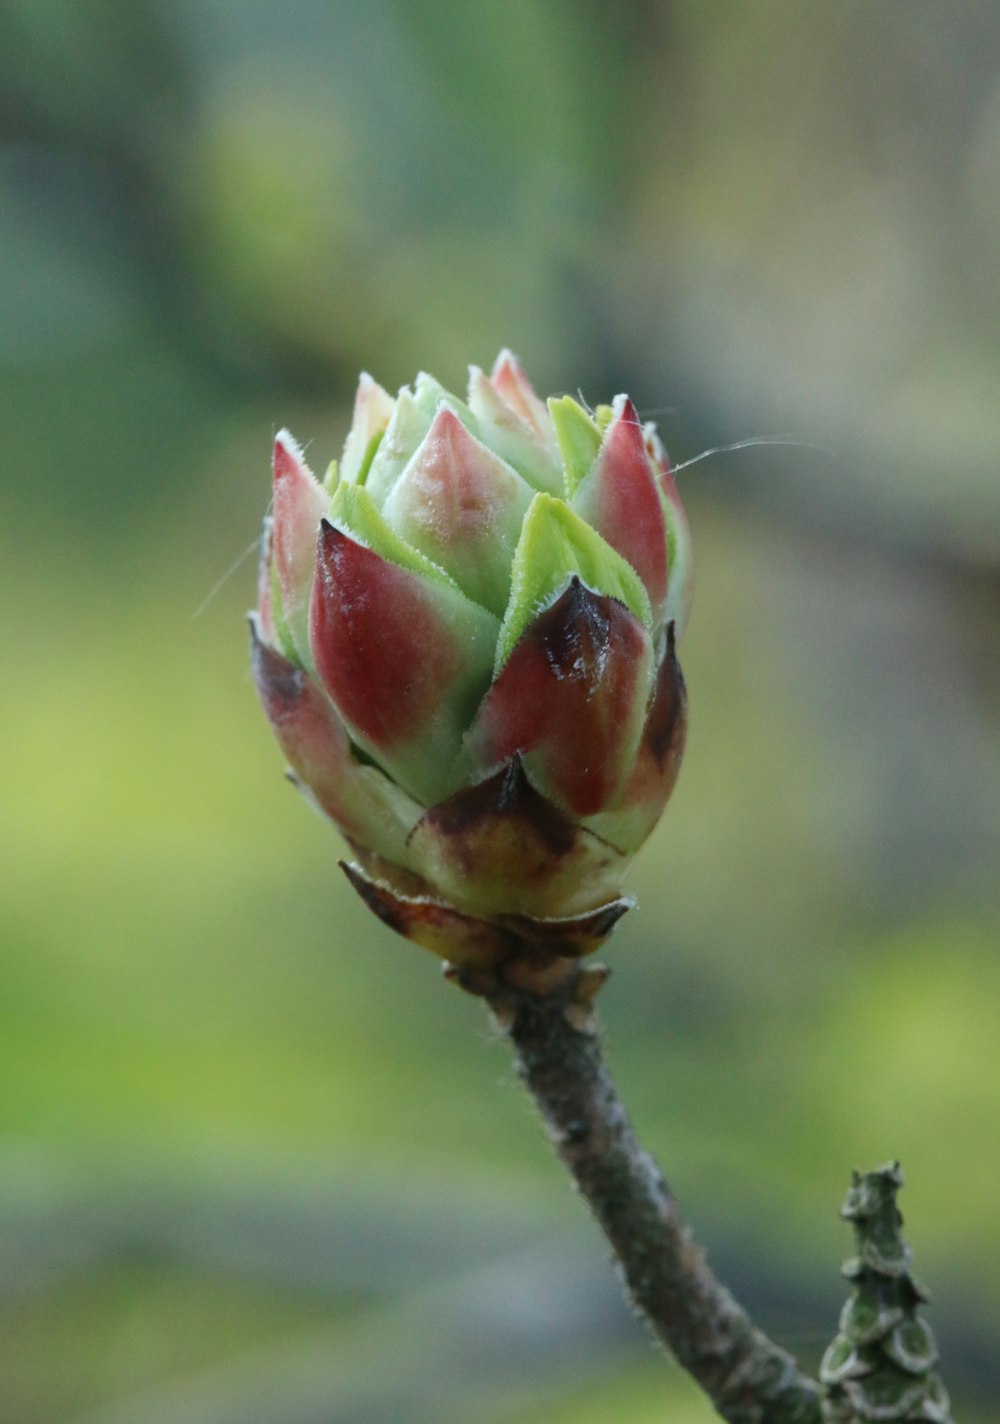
column 379, row 644
column 629, row 514
column 510, row 382
column 567, row 693
column 457, row 496
column 297, row 506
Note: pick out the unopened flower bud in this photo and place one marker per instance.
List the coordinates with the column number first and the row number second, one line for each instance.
column 465, row 643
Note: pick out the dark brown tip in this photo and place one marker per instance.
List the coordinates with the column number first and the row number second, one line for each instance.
column 279, row 681
column 469, row 943
column 571, row 936
column 666, row 725
column 509, row 796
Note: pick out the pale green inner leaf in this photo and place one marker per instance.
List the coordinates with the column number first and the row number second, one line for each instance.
column 356, row 513
column 579, row 440
column 429, row 395
column 408, row 426
column 283, row 633
column 366, row 460
column 555, row 544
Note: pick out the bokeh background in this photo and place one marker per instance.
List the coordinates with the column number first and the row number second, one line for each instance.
column 257, row 1162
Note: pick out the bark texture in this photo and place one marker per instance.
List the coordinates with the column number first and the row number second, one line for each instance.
column 558, row 1053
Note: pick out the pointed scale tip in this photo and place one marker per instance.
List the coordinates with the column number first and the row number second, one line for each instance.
column 446, row 423
column 288, row 459
column 477, row 378
column 624, row 409
column 505, row 360
column 511, row 383
column 328, row 537
column 371, row 397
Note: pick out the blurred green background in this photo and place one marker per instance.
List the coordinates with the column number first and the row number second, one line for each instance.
column 257, row 1162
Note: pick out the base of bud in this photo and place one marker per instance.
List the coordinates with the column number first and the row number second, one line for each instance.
column 536, row 956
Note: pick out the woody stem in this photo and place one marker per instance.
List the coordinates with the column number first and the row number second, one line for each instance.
column 557, row 1050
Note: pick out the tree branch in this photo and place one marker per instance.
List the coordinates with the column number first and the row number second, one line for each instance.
column 557, row 1050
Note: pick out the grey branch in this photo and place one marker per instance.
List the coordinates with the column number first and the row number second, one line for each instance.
column 557, row 1049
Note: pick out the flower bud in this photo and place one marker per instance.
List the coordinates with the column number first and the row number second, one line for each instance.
column 465, row 641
